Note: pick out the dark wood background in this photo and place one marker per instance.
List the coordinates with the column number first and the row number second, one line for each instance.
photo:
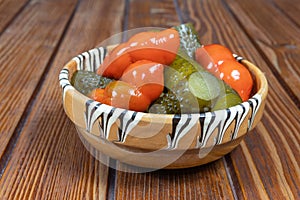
column 41, row 156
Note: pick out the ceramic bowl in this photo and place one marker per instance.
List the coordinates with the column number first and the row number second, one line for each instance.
column 156, row 140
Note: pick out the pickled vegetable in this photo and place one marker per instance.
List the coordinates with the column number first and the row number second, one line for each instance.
column 179, row 70
column 238, row 77
column 184, row 63
column 219, row 60
column 147, row 76
column 189, row 40
column 226, row 101
column 204, row 85
column 195, row 89
column 160, row 47
column 158, row 72
column 125, row 95
column 167, row 103
column 86, row 81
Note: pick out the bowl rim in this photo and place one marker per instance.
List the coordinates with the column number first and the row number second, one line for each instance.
column 259, row 76
column 250, row 107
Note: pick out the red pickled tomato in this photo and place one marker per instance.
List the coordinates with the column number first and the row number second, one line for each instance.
column 237, row 76
column 114, row 64
column 218, row 52
column 160, row 47
column 147, row 76
column 124, row 95
column 97, row 94
column 209, row 56
column 219, row 60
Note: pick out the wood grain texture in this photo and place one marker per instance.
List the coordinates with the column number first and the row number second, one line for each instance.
column 205, row 182
column 45, row 159
column 26, row 47
column 152, row 14
column 52, row 163
column 276, row 134
column 281, row 49
column 289, row 8
column 9, row 10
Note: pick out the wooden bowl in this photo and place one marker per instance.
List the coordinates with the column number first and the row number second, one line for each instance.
column 156, row 140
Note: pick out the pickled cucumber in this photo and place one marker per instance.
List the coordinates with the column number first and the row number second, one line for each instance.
column 191, row 87
column 204, row 85
column 189, row 103
column 179, row 100
column 86, row 81
column 227, row 100
column 184, row 63
column 167, row 103
column 189, row 40
column 180, row 69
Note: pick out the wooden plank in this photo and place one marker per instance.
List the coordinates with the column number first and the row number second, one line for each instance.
column 254, row 166
column 26, row 47
column 289, row 8
column 205, row 182
column 8, row 11
column 49, row 161
column 152, row 14
column 280, row 47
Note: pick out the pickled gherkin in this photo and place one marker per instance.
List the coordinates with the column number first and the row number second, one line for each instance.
column 179, row 70
column 189, row 40
column 86, row 81
column 204, row 85
column 226, row 100
column 167, row 103
column 190, row 88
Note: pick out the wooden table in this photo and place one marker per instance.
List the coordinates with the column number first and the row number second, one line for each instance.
column 42, row 157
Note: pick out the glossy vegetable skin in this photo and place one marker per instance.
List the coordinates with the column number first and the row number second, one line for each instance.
column 160, row 47
column 237, row 76
column 147, row 77
column 190, row 88
column 138, row 65
column 167, row 72
column 141, row 83
column 86, row 81
column 122, row 95
column 219, row 61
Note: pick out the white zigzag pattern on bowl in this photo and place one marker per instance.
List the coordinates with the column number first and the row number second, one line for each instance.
column 108, row 116
column 221, row 120
column 91, row 59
